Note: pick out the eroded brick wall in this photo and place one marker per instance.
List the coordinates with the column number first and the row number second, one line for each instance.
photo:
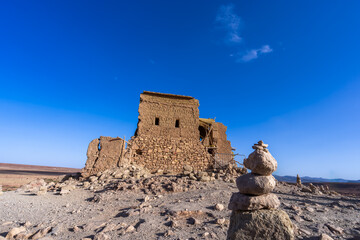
column 103, row 153
column 168, row 154
column 168, row 110
column 167, row 136
column 219, row 135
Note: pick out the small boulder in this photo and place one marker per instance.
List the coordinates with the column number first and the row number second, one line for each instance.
column 41, row 233
column 15, row 231
column 219, row 207
column 254, row 184
column 221, row 221
column 66, row 189
column 324, row 236
column 260, row 224
column 239, row 201
column 261, row 162
column 188, row 168
column 102, row 236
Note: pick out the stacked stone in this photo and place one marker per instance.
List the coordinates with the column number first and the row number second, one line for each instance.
column 255, row 187
column 254, row 207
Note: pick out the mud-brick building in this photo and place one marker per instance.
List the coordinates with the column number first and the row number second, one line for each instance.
column 170, row 134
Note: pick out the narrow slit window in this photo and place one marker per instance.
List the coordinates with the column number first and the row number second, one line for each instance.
column 157, row 121
column 177, row 123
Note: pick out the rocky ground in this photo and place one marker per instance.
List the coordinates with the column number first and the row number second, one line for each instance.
column 13, row 176
column 133, row 204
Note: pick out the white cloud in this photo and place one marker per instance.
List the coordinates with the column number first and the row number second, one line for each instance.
column 231, row 22
column 255, row 53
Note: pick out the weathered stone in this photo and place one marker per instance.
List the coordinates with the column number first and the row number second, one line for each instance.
column 255, row 184
column 188, row 168
column 104, row 153
column 261, row 162
column 92, row 155
column 239, row 201
column 13, row 232
column 221, row 221
column 306, row 189
column 193, row 221
column 219, row 207
column 41, row 233
column 130, row 229
column 93, row 178
column 260, row 224
column 335, row 229
column 42, row 190
column 298, row 180
column 324, row 236
column 102, row 236
column 66, row 189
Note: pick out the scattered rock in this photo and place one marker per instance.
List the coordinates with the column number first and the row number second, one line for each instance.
column 15, row 231
column 102, row 236
column 333, row 229
column 219, row 207
column 41, row 233
column 130, row 229
column 220, row 221
column 66, row 189
column 324, row 236
column 193, row 221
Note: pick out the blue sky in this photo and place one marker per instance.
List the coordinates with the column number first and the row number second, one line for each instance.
column 286, row 72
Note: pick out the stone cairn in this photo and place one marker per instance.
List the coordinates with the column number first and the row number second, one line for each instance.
column 298, row 181
column 255, row 213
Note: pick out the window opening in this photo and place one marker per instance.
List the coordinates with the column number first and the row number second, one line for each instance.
column 177, row 123
column 157, row 120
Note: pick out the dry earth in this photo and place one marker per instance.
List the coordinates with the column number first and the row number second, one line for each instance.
column 13, row 176
column 160, row 207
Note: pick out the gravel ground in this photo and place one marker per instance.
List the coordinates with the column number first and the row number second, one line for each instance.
column 115, row 214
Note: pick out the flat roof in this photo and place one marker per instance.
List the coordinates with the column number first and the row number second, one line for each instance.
column 167, row 95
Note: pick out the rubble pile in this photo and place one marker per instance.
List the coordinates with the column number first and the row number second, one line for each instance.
column 318, row 189
column 255, row 213
column 228, row 174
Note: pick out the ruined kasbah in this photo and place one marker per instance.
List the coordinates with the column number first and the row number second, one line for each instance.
column 169, row 136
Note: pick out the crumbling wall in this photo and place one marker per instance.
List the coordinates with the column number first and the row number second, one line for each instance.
column 168, row 154
column 167, row 136
column 104, row 153
column 168, row 115
column 220, row 140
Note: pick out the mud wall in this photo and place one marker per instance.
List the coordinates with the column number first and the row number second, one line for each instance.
column 103, row 153
column 168, row 154
column 220, row 139
column 168, row 115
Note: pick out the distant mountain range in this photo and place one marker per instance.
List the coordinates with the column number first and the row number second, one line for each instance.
column 292, row 179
